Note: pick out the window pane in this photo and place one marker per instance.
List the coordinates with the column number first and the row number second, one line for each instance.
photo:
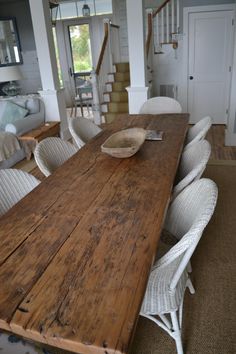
column 73, row 8
column 80, row 48
column 68, row 10
column 103, row 7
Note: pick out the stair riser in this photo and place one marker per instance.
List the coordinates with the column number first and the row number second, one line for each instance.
column 118, row 77
column 111, row 77
column 106, row 97
column 115, row 97
column 121, row 76
column 119, row 97
column 115, row 107
column 117, row 86
column 122, row 67
column 104, row 108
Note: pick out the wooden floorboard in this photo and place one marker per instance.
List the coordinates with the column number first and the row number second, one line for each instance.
column 216, row 137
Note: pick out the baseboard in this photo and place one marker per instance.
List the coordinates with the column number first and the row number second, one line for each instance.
column 230, row 139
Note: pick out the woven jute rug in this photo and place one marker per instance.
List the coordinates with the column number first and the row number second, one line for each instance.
column 209, row 323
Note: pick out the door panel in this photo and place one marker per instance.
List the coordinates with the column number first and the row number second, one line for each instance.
column 210, row 56
column 204, row 96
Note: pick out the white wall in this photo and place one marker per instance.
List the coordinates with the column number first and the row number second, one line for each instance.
column 168, row 67
column 120, row 19
column 30, row 68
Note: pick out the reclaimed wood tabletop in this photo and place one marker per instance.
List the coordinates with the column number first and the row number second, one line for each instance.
column 76, row 252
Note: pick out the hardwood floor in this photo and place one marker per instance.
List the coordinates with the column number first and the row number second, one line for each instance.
column 215, row 137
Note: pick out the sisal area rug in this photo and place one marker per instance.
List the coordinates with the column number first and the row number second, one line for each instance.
column 209, row 324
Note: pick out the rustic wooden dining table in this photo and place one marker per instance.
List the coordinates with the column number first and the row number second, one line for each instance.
column 76, row 252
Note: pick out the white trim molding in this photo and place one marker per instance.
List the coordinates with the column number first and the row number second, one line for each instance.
column 137, row 96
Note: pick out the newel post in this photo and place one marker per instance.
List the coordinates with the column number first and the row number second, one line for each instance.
column 96, row 102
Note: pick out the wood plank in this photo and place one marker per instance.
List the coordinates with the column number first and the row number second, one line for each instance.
column 42, row 132
column 77, row 276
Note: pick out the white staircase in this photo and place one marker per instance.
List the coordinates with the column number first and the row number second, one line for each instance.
column 166, row 25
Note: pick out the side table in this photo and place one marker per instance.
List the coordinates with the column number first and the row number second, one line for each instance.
column 33, row 137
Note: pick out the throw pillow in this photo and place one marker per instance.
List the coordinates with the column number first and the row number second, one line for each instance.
column 32, row 104
column 19, row 101
column 12, row 112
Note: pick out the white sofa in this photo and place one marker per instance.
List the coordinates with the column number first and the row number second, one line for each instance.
column 34, row 118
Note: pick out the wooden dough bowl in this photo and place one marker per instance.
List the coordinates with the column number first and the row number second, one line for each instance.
column 124, row 143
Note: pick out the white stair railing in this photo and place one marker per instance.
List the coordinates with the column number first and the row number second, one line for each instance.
column 166, row 24
column 109, row 54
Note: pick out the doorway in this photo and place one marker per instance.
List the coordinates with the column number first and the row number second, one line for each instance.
column 78, row 42
column 208, row 61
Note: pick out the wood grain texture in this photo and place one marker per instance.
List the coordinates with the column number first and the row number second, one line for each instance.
column 42, row 132
column 76, row 252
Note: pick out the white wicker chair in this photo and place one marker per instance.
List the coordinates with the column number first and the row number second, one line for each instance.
column 159, row 105
column 51, row 153
column 187, row 217
column 192, row 165
column 198, row 131
column 14, row 185
column 82, row 130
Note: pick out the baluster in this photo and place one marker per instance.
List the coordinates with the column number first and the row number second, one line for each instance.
column 162, row 26
column 157, row 33
column 167, row 24
column 172, row 16
column 177, row 14
column 96, row 101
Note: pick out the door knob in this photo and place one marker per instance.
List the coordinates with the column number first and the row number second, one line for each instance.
column 190, row 77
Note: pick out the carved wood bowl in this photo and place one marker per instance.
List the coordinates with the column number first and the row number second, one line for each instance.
column 124, row 143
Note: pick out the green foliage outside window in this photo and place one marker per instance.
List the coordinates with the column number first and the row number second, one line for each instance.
column 80, row 46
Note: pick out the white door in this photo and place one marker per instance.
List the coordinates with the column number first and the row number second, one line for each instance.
column 209, row 64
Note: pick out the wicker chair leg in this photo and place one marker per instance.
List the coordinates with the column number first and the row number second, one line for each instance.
column 177, row 333
column 190, row 286
column 189, row 267
column 75, row 110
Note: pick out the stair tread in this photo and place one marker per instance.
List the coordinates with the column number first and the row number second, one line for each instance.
column 113, row 82
column 118, row 72
column 118, row 92
column 114, row 102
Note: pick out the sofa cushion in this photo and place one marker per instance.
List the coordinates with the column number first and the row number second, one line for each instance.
column 19, row 101
column 11, row 113
column 32, row 104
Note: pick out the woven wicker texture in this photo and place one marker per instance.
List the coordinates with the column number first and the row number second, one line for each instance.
column 14, row 185
column 198, row 131
column 209, row 315
column 158, row 105
column 186, row 219
column 83, row 130
column 192, row 165
column 51, row 153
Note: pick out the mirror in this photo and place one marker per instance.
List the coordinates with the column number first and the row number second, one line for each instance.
column 10, row 51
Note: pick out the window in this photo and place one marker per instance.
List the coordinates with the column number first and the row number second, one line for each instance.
column 73, row 8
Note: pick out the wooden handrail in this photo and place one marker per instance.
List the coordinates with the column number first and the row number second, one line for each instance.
column 114, row 26
column 103, row 48
column 149, row 36
column 160, row 8
column 53, row 3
